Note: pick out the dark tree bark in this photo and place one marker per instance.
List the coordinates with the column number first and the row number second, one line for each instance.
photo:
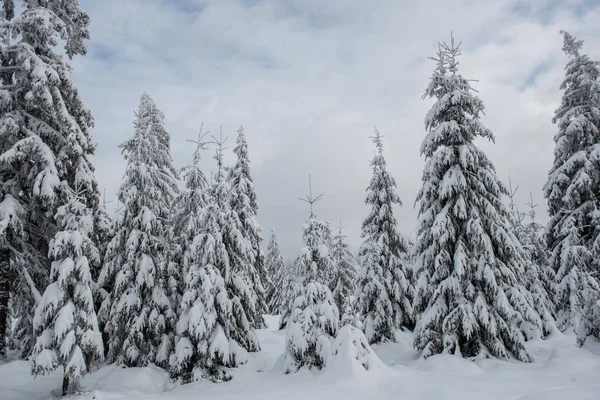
column 9, row 9
column 65, row 385
column 4, row 297
column 106, row 342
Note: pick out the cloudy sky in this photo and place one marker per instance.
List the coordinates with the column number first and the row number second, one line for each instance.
column 309, row 79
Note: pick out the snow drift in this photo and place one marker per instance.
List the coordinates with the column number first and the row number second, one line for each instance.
column 351, row 357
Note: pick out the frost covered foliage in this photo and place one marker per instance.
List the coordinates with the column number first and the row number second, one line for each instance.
column 344, row 276
column 12, row 243
column 572, row 191
column 469, row 296
column 590, row 323
column 244, row 203
column 186, row 223
column 351, row 347
column 291, row 287
column 235, row 259
column 314, row 317
column 210, row 322
column 383, row 290
column 101, row 235
column 409, row 262
column 183, row 268
column 213, row 330
column 138, row 313
column 203, row 347
column 286, row 288
column 539, row 276
column 65, row 320
column 44, row 139
column 215, row 323
column 277, row 270
column 315, row 260
column 5, row 282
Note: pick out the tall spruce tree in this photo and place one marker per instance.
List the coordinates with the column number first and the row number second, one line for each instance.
column 65, row 319
column 344, row 278
column 283, row 290
column 383, row 291
column 314, row 318
column 139, row 314
column 101, row 236
column 291, row 287
column 573, row 193
column 233, row 257
column 469, row 296
column 410, row 259
column 277, row 270
column 44, row 140
column 244, row 202
column 539, row 276
column 541, row 280
column 204, row 345
column 187, row 211
column 213, row 329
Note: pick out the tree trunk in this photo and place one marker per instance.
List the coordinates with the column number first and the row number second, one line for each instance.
column 65, row 386
column 88, row 363
column 4, row 296
column 105, row 340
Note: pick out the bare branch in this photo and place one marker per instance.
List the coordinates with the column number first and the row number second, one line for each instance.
column 220, row 142
column 200, row 143
column 309, row 198
column 378, row 140
column 104, row 202
column 532, row 206
column 519, row 216
column 341, row 227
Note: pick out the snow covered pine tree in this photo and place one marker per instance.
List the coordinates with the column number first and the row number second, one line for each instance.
column 344, row 278
column 291, row 288
column 202, row 347
column 244, row 203
column 44, row 133
column 314, row 318
column 469, row 297
column 214, row 327
column 539, row 276
column 138, row 313
column 543, row 285
column 65, row 320
column 238, row 265
column 573, row 193
column 383, row 290
column 187, row 213
column 277, row 270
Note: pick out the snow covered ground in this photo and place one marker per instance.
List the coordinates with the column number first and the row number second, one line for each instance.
column 560, row 371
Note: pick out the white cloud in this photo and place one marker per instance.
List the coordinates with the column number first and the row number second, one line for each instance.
column 309, row 80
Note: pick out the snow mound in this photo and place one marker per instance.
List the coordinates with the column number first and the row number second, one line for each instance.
column 272, row 322
column 589, row 392
column 271, row 343
column 98, row 395
column 132, row 381
column 451, row 364
column 351, row 356
column 570, row 359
